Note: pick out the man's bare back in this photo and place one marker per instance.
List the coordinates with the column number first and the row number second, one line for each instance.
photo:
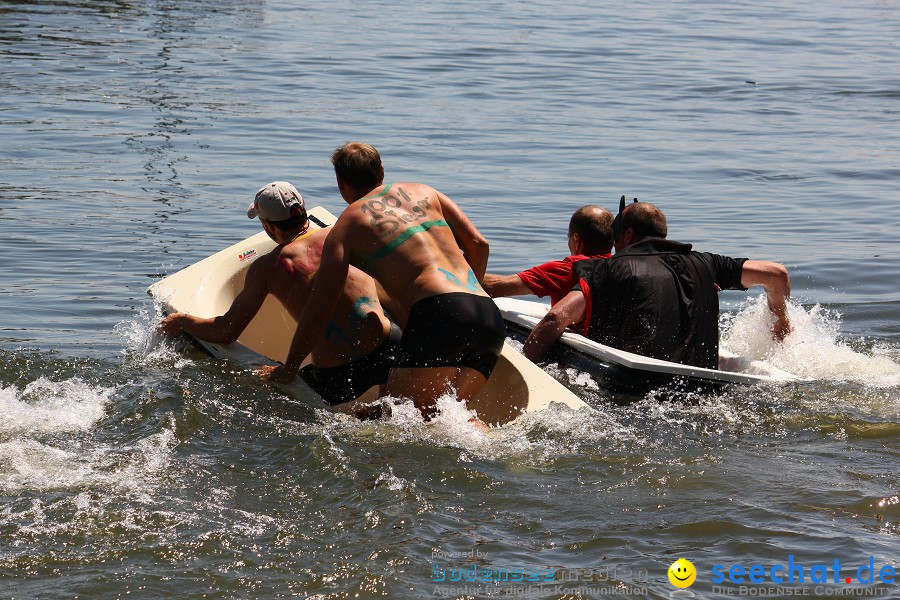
column 428, row 256
column 356, row 345
column 357, row 325
column 402, row 234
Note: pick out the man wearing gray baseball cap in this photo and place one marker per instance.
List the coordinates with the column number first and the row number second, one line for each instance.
column 276, row 202
column 359, row 343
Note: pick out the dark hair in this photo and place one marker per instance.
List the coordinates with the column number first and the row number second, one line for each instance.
column 645, row 219
column 298, row 219
column 593, row 224
column 359, row 165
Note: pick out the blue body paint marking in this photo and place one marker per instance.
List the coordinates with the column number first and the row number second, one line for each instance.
column 357, row 315
column 472, row 283
column 332, row 329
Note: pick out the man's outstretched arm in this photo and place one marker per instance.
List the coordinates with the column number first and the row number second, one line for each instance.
column 565, row 312
column 775, row 280
column 226, row 328
column 498, row 286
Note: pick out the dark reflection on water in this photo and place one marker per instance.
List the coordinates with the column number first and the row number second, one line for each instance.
column 133, row 137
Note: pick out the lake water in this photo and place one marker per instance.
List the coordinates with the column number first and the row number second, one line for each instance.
column 133, row 137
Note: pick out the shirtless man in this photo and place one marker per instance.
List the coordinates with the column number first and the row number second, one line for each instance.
column 357, row 344
column 429, row 258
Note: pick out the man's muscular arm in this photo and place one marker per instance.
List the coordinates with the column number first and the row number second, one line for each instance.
column 226, row 328
column 475, row 246
column 565, row 312
column 498, row 286
column 775, row 280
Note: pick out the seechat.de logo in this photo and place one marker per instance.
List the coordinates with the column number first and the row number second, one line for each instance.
column 796, row 572
column 682, row 573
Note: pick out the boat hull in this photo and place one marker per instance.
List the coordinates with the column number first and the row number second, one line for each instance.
column 627, row 371
column 208, row 287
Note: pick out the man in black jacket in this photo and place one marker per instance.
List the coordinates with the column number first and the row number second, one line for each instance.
column 657, row 297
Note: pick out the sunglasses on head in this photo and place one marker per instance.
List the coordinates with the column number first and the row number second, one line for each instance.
column 617, row 222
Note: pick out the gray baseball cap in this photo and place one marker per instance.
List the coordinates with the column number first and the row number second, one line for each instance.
column 273, row 201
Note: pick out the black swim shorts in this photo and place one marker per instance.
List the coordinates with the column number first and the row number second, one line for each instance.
column 453, row 330
column 345, row 383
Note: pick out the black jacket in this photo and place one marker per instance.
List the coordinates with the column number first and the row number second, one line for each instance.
column 659, row 298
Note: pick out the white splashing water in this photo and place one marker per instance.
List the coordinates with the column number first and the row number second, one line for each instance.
column 532, row 438
column 40, row 448
column 393, row 482
column 813, row 349
column 144, row 344
column 29, row 464
column 450, row 427
column 45, row 406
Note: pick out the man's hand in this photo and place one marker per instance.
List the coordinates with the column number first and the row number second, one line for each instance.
column 275, row 373
column 171, row 325
column 774, row 278
column 564, row 313
column 782, row 326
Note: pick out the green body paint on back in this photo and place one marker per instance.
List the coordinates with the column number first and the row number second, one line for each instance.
column 333, row 330
column 358, row 312
column 398, row 241
column 387, row 188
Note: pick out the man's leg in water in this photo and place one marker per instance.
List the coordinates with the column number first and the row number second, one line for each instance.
column 424, row 385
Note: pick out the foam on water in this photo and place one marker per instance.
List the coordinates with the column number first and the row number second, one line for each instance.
column 45, row 406
column 144, row 344
column 32, row 465
column 535, row 438
column 813, row 349
column 47, row 440
column 450, row 427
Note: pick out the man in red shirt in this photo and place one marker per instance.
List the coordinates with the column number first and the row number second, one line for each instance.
column 590, row 236
column 657, row 297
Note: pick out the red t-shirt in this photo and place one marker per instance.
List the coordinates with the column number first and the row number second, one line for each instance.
column 555, row 279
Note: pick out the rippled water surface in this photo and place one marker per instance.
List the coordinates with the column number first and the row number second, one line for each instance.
column 134, row 134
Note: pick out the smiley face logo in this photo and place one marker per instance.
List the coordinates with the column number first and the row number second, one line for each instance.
column 682, row 573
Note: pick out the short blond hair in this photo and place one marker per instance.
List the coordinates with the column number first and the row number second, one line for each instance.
column 358, row 164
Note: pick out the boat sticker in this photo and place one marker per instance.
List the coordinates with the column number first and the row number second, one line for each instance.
column 247, row 255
